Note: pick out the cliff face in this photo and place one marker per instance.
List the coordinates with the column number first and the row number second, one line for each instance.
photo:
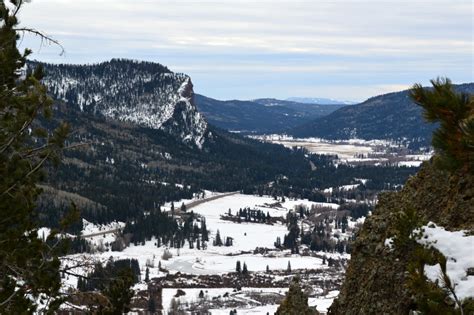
column 142, row 93
column 376, row 279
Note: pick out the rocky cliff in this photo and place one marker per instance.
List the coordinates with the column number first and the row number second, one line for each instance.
column 143, row 93
column 377, row 277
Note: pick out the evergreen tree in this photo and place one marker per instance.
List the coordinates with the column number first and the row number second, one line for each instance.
column 288, row 268
column 28, row 268
column 218, row 240
column 295, row 302
column 238, row 267
column 244, row 269
column 454, row 139
column 198, row 244
column 204, row 231
column 151, row 304
column 147, row 275
column 119, row 292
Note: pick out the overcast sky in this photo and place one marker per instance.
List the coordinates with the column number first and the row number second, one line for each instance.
column 234, row 49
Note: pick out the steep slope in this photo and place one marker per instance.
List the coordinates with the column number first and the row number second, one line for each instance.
column 261, row 115
column 388, row 116
column 376, row 280
column 413, row 255
column 144, row 93
column 138, row 141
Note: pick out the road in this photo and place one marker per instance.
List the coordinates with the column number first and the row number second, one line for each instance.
column 189, row 206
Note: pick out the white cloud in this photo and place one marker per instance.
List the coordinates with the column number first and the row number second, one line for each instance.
column 390, row 39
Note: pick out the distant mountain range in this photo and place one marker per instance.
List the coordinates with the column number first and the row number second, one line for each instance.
column 260, row 115
column 318, row 100
column 388, row 116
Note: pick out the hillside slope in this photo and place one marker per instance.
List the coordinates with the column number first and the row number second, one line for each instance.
column 376, row 280
column 143, row 93
column 388, row 116
column 261, row 115
column 138, row 141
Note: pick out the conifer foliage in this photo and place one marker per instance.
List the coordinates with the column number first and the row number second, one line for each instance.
column 28, row 267
column 295, row 302
column 454, row 139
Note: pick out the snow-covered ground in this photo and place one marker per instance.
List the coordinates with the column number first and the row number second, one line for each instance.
column 214, row 260
column 220, row 259
column 353, row 151
column 192, row 296
column 458, row 248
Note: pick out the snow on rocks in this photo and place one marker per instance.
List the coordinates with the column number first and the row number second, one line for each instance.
column 458, row 248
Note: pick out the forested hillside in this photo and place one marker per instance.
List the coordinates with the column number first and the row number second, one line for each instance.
column 388, row 116
column 119, row 166
column 261, row 115
column 143, row 93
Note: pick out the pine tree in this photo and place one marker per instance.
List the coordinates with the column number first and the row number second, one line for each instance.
column 204, row 231
column 244, row 269
column 454, row 139
column 151, row 304
column 28, row 267
column 119, row 292
column 218, row 240
column 237, row 267
column 295, row 302
column 288, row 268
column 147, row 275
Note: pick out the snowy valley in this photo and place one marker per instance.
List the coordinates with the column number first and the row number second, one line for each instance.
column 188, row 278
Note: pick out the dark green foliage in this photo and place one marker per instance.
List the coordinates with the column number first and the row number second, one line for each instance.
column 28, row 267
column 147, row 275
column 244, row 269
column 125, row 189
column 428, row 297
column 166, row 230
column 454, row 139
column 119, row 292
column 295, row 302
column 218, row 240
column 114, row 281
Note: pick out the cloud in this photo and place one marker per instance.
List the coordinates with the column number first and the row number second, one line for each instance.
column 385, row 42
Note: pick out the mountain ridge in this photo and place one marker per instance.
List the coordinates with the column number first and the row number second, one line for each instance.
column 261, row 115
column 319, row 101
column 389, row 116
column 145, row 93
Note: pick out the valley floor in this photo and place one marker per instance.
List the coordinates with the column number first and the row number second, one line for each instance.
column 212, row 269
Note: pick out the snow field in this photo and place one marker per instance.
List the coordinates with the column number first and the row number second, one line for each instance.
column 192, row 295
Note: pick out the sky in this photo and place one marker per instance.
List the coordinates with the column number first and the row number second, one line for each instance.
column 247, row 49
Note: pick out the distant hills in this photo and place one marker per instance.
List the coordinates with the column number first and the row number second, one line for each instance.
column 261, row 115
column 318, row 100
column 388, row 116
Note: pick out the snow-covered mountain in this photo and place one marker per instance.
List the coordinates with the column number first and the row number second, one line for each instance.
column 143, row 93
